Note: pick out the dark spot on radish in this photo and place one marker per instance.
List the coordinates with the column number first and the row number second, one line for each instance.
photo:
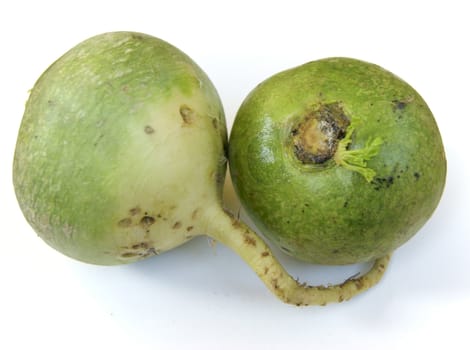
column 187, row 114
column 142, row 245
column 215, row 123
column 147, row 221
column 399, row 105
column 383, row 182
column 250, row 240
column 149, row 130
column 274, row 283
column 177, row 225
column 134, row 211
column 126, row 222
column 129, row 255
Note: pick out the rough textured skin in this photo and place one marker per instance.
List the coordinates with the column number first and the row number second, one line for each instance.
column 121, row 145
column 325, row 213
column 120, row 156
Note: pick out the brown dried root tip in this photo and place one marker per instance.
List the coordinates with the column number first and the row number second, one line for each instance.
column 236, row 235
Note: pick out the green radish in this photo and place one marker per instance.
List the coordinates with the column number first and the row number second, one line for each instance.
column 121, row 156
column 337, row 161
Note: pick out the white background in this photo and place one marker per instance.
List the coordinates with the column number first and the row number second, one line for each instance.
column 204, row 297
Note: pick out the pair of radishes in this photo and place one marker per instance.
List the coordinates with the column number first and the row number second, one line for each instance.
column 122, row 155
